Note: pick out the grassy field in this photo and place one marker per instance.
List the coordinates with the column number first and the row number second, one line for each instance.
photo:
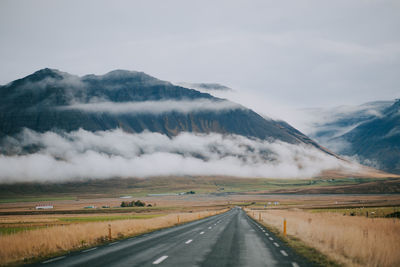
column 23, row 224
column 107, row 218
column 370, row 212
column 34, row 199
column 308, row 204
column 348, row 240
column 159, row 185
column 28, row 246
column 14, row 230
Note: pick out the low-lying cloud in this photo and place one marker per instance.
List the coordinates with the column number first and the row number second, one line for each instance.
column 156, row 107
column 106, row 154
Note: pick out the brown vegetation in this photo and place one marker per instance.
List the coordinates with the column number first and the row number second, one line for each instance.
column 55, row 240
column 352, row 241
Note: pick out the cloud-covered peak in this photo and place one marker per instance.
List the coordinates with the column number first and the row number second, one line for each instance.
column 120, row 73
column 41, row 75
column 123, row 77
column 207, row 87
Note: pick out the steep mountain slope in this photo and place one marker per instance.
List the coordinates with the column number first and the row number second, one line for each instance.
column 377, row 141
column 54, row 100
column 325, row 124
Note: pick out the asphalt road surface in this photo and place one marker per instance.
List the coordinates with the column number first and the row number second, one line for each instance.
column 228, row 239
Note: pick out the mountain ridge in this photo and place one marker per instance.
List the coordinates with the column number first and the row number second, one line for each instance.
column 377, row 142
column 368, row 133
column 29, row 102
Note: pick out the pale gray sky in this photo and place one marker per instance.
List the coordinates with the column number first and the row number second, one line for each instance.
column 295, row 53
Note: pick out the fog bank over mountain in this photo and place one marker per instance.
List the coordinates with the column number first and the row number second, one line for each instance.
column 51, row 156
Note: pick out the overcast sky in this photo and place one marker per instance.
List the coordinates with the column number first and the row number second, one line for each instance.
column 295, row 53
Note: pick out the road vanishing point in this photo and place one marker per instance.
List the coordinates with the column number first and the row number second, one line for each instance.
column 228, row 239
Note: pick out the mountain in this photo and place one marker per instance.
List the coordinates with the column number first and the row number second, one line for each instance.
column 325, row 124
column 376, row 142
column 134, row 101
column 205, row 87
column 369, row 132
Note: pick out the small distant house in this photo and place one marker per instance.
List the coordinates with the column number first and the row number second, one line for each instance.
column 90, row 207
column 44, row 207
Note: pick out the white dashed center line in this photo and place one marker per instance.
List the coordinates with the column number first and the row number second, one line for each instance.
column 55, row 259
column 276, row 244
column 284, row 253
column 294, row 264
column 266, row 234
column 189, row 241
column 90, row 249
column 270, row 238
column 263, row 231
column 201, row 233
column 209, row 227
column 160, row 259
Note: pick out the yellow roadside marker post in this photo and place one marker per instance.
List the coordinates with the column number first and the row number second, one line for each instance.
column 284, row 226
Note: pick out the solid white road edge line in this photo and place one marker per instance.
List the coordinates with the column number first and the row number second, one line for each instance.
column 90, row 249
column 55, row 259
column 160, row 259
column 113, row 243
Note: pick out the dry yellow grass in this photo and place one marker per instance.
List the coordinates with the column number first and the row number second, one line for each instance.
column 54, row 240
column 352, row 241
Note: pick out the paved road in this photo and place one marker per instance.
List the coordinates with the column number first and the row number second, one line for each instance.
column 228, row 239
